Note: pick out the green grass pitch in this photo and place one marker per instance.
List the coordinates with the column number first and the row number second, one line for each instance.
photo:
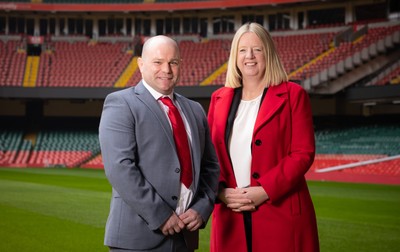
column 66, row 210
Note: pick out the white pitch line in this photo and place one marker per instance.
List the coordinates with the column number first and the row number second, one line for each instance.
column 345, row 166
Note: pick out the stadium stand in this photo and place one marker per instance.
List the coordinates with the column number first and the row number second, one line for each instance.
column 389, row 75
column 94, row 163
column 10, row 141
column 82, row 64
column 63, row 148
column 309, row 55
column 12, row 62
column 201, row 59
column 349, row 55
column 342, row 142
column 368, row 142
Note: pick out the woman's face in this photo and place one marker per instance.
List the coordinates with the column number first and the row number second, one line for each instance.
column 250, row 57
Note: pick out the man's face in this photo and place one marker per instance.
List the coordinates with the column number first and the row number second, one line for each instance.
column 160, row 66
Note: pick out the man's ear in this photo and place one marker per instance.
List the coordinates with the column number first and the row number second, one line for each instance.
column 140, row 63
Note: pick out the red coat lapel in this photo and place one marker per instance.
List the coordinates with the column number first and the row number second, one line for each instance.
column 273, row 100
column 222, row 107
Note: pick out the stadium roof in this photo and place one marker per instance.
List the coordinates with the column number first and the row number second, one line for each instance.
column 136, row 7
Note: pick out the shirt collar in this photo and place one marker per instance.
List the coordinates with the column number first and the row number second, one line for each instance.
column 157, row 95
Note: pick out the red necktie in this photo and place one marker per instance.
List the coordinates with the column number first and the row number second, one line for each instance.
column 181, row 141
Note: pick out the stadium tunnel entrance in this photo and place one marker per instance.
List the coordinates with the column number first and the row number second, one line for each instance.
column 34, row 49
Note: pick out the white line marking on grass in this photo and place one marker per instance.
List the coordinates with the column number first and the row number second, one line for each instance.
column 346, row 166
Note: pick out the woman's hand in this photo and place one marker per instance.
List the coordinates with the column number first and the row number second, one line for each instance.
column 243, row 199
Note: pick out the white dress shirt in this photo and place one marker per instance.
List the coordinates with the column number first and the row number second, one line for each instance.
column 186, row 194
column 240, row 140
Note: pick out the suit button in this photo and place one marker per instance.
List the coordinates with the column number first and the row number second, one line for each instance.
column 174, row 198
column 256, row 175
column 177, row 170
column 258, row 142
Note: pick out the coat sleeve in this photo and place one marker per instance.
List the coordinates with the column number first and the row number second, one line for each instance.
column 286, row 175
column 212, row 116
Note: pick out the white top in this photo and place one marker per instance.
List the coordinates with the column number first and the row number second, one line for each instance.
column 186, row 194
column 240, row 140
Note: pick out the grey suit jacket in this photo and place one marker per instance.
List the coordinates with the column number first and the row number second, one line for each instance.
column 141, row 164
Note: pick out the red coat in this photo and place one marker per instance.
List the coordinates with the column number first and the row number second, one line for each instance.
column 283, row 149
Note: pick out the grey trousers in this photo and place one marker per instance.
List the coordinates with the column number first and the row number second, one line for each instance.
column 176, row 243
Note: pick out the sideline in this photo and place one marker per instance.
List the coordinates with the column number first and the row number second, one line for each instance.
column 361, row 163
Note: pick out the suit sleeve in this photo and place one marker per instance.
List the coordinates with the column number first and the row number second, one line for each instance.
column 118, row 146
column 209, row 173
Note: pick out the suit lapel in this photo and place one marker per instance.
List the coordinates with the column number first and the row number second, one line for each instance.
column 189, row 114
column 187, row 110
column 144, row 95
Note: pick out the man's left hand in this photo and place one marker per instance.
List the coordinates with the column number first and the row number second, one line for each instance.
column 192, row 220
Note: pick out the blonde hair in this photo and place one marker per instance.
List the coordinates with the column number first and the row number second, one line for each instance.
column 274, row 74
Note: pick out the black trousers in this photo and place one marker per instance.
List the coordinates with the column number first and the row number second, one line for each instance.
column 247, row 229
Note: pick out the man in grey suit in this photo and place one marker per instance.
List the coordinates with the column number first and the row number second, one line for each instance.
column 151, row 209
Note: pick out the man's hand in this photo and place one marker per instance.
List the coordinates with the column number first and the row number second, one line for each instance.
column 192, row 220
column 172, row 225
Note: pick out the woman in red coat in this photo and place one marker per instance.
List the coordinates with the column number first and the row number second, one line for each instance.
column 261, row 126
